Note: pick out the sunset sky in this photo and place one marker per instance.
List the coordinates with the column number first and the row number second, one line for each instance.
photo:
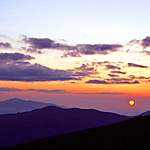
column 86, row 54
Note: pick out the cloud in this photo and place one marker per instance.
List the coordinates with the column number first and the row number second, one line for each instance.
column 141, row 77
column 45, row 43
column 119, row 72
column 108, row 65
column 113, row 75
column 127, row 82
column 113, row 81
column 106, row 93
column 122, row 81
column 52, row 91
column 136, row 65
column 25, row 71
column 97, row 81
column 48, row 91
column 85, row 70
column 36, row 90
column 89, row 49
column 37, row 44
column 5, row 45
column 133, row 42
column 31, row 50
column 132, row 77
column 112, row 67
column 145, row 42
column 10, row 89
column 15, row 56
column 146, row 52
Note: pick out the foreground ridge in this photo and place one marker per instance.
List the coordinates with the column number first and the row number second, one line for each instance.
column 132, row 134
column 49, row 121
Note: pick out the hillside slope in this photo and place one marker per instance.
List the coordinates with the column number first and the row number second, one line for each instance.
column 133, row 134
column 40, row 123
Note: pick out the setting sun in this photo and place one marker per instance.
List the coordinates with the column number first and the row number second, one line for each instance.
column 131, row 102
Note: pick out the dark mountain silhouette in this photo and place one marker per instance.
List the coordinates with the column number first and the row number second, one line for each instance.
column 16, row 105
column 145, row 113
column 132, row 134
column 40, row 123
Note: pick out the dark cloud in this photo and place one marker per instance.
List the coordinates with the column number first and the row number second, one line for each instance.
column 85, row 70
column 85, row 67
column 113, row 81
column 119, row 72
column 48, row 91
column 122, row 81
column 97, row 81
column 141, row 77
column 36, row 90
column 33, row 50
column 106, row 93
column 53, row 91
column 71, row 54
column 15, row 56
column 88, row 49
column 127, row 82
column 118, row 79
column 9, row 89
column 5, row 45
column 39, row 43
column 24, row 71
column 136, row 65
column 112, row 67
column 73, row 51
column 136, row 81
column 132, row 77
column 113, row 75
column 146, row 42
column 45, row 43
column 104, row 62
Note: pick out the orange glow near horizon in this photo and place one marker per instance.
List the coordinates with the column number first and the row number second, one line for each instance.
column 81, row 87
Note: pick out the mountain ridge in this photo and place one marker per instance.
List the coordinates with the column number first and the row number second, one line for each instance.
column 49, row 121
column 16, row 105
column 145, row 113
column 131, row 134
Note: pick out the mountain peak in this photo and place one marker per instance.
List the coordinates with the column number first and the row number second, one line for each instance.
column 15, row 99
column 16, row 105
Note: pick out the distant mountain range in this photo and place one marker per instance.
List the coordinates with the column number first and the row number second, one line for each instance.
column 23, row 121
column 16, row 105
column 132, row 134
column 48, row 121
column 145, row 113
